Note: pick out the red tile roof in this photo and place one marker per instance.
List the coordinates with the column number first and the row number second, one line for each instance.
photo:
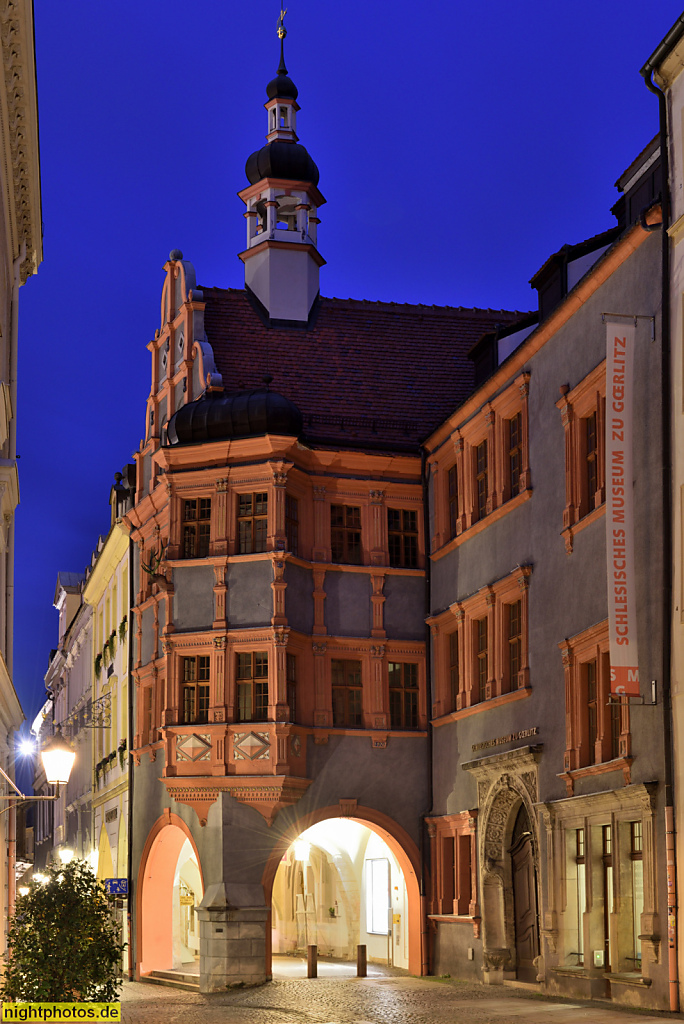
column 377, row 372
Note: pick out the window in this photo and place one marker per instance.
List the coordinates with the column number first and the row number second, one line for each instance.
column 514, row 615
column 195, row 689
column 481, row 480
column 345, row 534
column 452, row 488
column 454, row 672
column 484, row 464
column 252, row 686
column 581, row 895
column 514, row 454
column 291, row 673
column 403, row 694
column 252, row 522
column 147, row 717
column 482, row 658
column 591, row 459
column 346, row 693
column 403, row 537
column 597, row 726
column 583, row 415
column 292, row 524
column 453, row 855
column 378, row 902
column 481, row 645
column 196, row 527
column 637, row 858
column 607, row 858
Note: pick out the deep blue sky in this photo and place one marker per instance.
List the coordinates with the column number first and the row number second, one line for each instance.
column 459, row 144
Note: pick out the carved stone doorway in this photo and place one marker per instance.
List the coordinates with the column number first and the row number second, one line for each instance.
column 524, row 898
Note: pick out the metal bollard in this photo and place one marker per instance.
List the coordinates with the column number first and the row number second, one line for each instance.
column 360, row 961
column 312, row 961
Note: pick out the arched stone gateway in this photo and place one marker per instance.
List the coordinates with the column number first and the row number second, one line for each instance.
column 405, row 940
column 509, row 866
column 169, row 891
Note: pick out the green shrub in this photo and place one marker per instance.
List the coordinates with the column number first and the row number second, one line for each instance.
column 63, row 945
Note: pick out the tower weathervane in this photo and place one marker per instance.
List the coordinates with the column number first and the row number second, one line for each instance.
column 282, row 32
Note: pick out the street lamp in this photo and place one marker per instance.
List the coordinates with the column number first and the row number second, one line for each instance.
column 58, row 760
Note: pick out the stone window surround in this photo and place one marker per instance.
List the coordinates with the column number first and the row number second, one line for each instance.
column 489, row 423
column 448, row 894
column 461, row 616
column 591, row 644
column 635, row 802
column 589, row 396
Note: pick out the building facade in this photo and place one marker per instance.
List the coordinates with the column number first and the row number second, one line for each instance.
column 280, row 599
column 21, row 252
column 548, row 825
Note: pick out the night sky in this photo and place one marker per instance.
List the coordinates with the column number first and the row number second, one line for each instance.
column 459, row 145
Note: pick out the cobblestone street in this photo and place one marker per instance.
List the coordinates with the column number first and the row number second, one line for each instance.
column 382, row 998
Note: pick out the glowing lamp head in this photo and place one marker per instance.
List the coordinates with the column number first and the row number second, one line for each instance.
column 66, row 856
column 24, row 890
column 58, row 760
column 40, row 877
column 301, row 849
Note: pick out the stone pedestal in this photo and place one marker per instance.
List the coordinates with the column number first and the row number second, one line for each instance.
column 233, row 920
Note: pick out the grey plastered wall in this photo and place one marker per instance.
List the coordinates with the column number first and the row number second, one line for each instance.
column 299, row 598
column 193, row 598
column 249, row 601
column 347, row 604
column 404, row 608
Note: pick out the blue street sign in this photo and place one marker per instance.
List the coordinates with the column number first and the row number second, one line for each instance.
column 116, row 886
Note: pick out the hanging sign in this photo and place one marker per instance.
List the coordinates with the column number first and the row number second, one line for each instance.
column 116, row 886
column 624, row 661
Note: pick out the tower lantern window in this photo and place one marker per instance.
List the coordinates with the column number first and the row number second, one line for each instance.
column 283, row 117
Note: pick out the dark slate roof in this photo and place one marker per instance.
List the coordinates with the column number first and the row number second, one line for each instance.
column 364, row 374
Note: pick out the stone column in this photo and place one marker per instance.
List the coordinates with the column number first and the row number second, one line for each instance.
column 233, row 921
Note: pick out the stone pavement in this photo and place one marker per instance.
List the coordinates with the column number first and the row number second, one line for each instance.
column 385, row 997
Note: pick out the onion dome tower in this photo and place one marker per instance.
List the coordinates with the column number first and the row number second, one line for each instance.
column 281, row 259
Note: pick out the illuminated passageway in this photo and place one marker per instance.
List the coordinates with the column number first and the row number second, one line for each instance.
column 338, row 885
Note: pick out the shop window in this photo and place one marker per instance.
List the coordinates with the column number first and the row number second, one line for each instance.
column 252, row 522
column 195, row 689
column 196, row 527
column 402, row 527
column 345, row 534
column 403, row 694
column 292, row 524
column 291, row 674
column 346, row 693
column 636, row 844
column 252, row 686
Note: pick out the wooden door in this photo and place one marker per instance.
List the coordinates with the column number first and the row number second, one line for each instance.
column 524, row 899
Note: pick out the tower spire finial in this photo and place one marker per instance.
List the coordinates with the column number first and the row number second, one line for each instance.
column 282, row 32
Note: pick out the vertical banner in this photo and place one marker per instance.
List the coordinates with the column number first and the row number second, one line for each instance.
column 624, row 660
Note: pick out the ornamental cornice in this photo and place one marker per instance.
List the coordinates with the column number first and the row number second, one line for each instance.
column 19, row 134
